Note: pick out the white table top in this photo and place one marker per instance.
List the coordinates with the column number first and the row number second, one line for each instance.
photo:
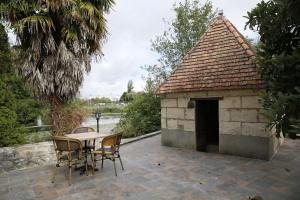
column 86, row 135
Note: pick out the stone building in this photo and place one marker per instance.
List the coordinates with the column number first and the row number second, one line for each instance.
column 211, row 101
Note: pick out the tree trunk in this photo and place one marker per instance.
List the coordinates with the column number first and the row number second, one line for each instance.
column 55, row 109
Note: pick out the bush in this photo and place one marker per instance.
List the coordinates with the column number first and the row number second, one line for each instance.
column 72, row 115
column 111, row 109
column 10, row 132
column 142, row 116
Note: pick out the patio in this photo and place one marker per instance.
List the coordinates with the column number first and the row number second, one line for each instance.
column 153, row 171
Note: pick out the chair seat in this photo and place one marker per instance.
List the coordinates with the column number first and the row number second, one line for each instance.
column 107, row 151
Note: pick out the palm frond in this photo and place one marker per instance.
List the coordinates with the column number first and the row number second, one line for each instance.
column 104, row 5
column 70, row 34
column 34, row 24
column 60, row 4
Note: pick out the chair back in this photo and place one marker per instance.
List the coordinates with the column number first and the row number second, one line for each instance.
column 65, row 144
column 83, row 130
column 119, row 138
column 110, row 141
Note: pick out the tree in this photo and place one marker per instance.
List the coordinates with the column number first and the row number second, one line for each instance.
column 278, row 24
column 100, row 100
column 130, row 86
column 58, row 39
column 129, row 95
column 11, row 131
column 191, row 21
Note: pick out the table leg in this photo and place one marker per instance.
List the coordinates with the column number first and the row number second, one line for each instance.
column 84, row 168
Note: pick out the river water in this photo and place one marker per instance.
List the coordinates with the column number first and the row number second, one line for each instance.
column 106, row 123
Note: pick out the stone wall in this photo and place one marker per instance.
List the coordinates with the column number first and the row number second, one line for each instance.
column 28, row 155
column 241, row 125
column 177, row 121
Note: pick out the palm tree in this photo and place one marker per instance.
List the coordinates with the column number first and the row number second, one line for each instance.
column 58, row 39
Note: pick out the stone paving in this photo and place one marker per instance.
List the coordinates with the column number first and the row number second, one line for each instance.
column 156, row 172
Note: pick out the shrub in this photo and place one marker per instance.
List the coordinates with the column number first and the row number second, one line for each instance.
column 10, row 132
column 111, row 109
column 72, row 115
column 142, row 116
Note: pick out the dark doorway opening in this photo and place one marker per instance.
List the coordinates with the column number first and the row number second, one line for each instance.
column 207, row 125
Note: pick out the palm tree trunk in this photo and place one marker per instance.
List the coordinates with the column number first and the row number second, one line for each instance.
column 55, row 109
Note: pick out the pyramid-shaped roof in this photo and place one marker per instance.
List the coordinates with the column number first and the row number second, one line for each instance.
column 221, row 60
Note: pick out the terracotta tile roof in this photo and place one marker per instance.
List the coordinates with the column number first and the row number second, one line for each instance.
column 221, row 60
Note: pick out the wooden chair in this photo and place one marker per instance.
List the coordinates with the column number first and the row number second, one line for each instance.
column 109, row 150
column 68, row 151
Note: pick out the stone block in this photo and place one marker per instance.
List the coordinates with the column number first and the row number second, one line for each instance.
column 172, row 123
column 235, row 115
column 246, row 146
column 197, row 94
column 178, row 138
column 231, row 128
column 162, row 102
column 189, row 113
column 219, row 93
column 180, row 125
column 169, row 103
column 255, row 129
column 244, row 92
column 249, row 115
column 163, row 112
column 163, row 123
column 175, row 95
column 189, row 125
column 162, row 96
column 224, row 115
column 183, row 102
column 175, row 113
column 230, row 102
column 251, row 102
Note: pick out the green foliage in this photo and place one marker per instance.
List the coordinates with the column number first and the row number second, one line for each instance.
column 191, row 21
column 142, row 116
column 110, row 109
column 10, row 131
column 277, row 22
column 129, row 95
column 130, row 86
column 279, row 59
column 5, row 54
column 18, row 107
column 100, row 100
